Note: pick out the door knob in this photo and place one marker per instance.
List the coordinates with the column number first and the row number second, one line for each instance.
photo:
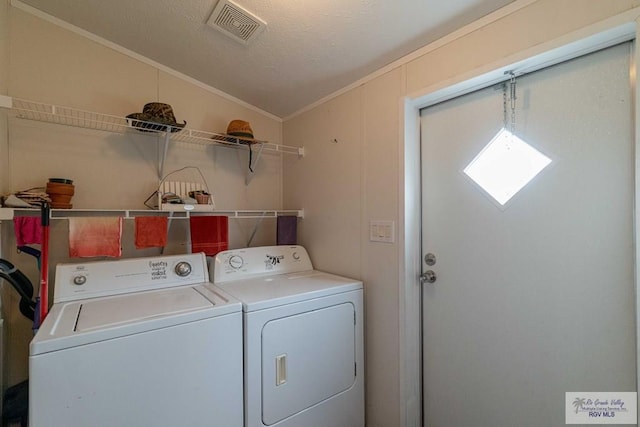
column 428, row 276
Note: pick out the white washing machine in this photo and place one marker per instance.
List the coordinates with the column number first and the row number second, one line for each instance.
column 303, row 338
column 138, row 342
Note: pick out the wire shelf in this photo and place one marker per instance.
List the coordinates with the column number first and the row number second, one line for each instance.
column 67, row 116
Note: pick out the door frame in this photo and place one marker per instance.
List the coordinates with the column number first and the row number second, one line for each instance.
column 621, row 28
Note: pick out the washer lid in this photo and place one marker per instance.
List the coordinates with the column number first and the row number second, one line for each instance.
column 271, row 291
column 108, row 312
column 86, row 321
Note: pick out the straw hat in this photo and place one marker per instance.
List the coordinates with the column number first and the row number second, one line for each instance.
column 238, row 131
column 240, row 128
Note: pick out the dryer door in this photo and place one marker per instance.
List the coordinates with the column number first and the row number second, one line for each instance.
column 306, row 359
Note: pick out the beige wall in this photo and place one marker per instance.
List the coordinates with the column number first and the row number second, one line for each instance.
column 323, row 181
column 329, row 182
column 53, row 65
column 528, row 27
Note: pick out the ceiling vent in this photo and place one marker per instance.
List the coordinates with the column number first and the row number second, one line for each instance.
column 236, row 22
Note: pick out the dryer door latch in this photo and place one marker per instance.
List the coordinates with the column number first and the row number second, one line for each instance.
column 281, row 369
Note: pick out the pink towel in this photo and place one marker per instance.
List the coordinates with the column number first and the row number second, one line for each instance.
column 91, row 237
column 28, row 230
column 209, row 234
column 151, row 232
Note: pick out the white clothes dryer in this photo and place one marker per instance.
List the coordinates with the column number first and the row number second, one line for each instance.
column 138, row 342
column 303, row 338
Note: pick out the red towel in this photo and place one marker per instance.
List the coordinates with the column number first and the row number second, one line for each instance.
column 28, row 230
column 209, row 234
column 91, row 237
column 151, row 232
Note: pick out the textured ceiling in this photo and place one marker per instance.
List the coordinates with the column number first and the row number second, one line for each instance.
column 309, row 49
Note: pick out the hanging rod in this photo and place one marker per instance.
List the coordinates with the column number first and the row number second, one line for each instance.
column 9, row 213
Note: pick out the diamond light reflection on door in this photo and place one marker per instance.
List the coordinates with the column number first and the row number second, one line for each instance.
column 505, row 166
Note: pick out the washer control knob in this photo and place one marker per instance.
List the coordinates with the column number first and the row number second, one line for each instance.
column 79, row 280
column 183, row 269
column 236, row 261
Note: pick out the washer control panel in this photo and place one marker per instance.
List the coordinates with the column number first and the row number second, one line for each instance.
column 237, row 264
column 103, row 278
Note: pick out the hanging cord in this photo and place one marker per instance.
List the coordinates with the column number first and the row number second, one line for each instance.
column 504, row 105
column 512, row 86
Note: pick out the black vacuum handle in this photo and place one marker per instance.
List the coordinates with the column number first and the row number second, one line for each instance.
column 44, row 214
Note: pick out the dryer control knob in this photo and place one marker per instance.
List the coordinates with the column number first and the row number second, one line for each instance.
column 236, row 262
column 183, row 269
column 79, row 280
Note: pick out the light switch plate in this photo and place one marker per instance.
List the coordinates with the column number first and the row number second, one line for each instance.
column 382, row 231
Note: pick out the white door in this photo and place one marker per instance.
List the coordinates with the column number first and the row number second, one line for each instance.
column 534, row 298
